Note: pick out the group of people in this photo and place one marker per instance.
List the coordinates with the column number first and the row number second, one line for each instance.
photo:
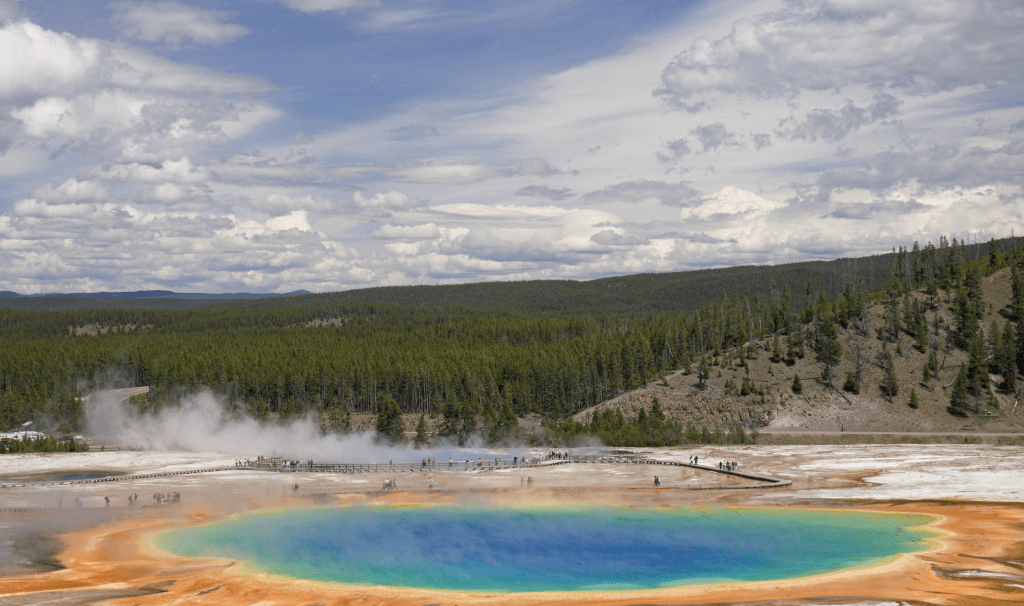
column 723, row 465
column 249, row 462
column 429, row 462
column 164, row 498
column 561, row 456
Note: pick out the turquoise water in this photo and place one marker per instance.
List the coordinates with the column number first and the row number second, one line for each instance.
column 550, row 549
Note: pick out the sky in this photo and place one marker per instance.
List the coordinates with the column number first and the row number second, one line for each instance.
column 278, row 145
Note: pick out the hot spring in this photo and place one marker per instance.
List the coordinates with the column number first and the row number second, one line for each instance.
column 551, row 549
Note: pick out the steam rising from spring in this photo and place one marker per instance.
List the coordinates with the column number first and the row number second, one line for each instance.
column 202, row 423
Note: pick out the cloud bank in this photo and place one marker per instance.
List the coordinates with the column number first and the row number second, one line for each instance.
column 758, row 132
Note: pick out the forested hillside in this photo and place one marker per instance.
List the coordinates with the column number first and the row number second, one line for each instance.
column 469, row 357
column 673, row 292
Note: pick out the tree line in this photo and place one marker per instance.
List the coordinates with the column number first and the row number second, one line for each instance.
column 480, row 366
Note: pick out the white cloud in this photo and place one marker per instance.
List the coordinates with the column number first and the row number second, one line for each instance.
column 72, row 189
column 297, row 219
column 730, row 201
column 320, row 6
column 426, row 231
column 173, row 23
column 911, row 47
column 455, row 172
column 795, row 130
column 47, row 63
column 390, row 201
column 34, row 208
column 97, row 98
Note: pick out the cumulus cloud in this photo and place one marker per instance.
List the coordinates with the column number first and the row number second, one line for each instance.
column 173, row 23
column 99, row 98
column 390, row 201
column 297, row 219
column 714, row 136
column 47, row 63
column 677, row 148
column 730, row 201
column 72, row 189
column 151, row 179
column 35, row 208
column 833, row 125
column 910, row 47
column 426, row 231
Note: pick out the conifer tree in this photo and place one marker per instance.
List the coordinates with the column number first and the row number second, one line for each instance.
column 1020, row 347
column 958, row 396
column 798, row 387
column 776, row 350
column 913, row 399
column 890, row 385
column 977, row 368
column 422, row 435
column 1009, row 359
column 920, row 328
column 703, row 372
column 966, row 319
column 796, row 346
column 851, row 384
column 995, row 346
column 1016, row 296
column 828, row 349
column 390, row 426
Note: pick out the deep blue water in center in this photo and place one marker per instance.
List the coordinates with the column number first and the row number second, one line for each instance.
column 551, row 549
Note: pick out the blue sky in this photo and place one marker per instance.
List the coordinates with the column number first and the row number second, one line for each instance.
column 273, row 145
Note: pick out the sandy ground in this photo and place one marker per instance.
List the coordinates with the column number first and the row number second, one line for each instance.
column 103, row 555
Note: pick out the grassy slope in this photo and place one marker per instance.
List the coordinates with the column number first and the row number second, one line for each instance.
column 823, row 409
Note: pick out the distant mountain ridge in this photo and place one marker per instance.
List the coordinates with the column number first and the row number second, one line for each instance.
column 645, row 293
column 166, row 294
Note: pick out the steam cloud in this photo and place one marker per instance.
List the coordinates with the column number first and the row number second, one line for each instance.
column 201, row 423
